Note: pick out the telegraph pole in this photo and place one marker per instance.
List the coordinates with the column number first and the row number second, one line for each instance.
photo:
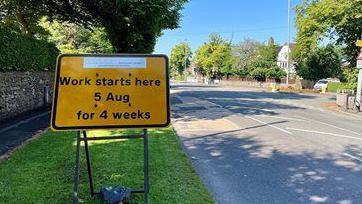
column 185, row 64
column 288, row 45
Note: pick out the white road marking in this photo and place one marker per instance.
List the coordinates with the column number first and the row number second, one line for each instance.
column 284, row 118
column 273, row 126
column 249, row 108
column 23, row 121
column 325, row 133
column 353, row 157
column 330, row 125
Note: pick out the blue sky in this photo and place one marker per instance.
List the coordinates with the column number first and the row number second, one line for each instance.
column 256, row 19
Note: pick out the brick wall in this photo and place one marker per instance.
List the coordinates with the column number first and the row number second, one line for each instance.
column 22, row 91
column 242, row 83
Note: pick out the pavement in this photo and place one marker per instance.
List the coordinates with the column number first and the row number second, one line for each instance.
column 17, row 130
column 253, row 146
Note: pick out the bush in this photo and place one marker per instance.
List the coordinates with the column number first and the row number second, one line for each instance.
column 337, row 87
column 24, row 53
column 350, row 76
column 334, row 86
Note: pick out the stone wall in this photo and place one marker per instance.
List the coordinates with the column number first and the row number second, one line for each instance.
column 23, row 91
column 346, row 101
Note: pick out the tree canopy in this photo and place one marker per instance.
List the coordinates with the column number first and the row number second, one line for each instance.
column 214, row 57
column 264, row 63
column 323, row 62
column 248, row 59
column 132, row 26
column 243, row 54
column 180, row 58
column 22, row 16
column 338, row 20
column 73, row 38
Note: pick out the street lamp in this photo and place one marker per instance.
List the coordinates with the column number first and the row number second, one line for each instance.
column 288, row 44
column 185, row 60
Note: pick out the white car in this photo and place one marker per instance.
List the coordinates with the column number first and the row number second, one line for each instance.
column 321, row 83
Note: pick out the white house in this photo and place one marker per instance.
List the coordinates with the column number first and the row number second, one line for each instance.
column 283, row 58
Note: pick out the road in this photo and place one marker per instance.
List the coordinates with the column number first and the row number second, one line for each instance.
column 14, row 132
column 252, row 146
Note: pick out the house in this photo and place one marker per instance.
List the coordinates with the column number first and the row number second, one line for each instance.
column 192, row 69
column 282, row 60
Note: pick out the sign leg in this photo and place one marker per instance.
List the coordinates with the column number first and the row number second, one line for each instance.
column 145, row 170
column 76, row 174
column 89, row 167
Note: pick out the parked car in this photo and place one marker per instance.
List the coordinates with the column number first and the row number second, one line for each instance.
column 321, row 83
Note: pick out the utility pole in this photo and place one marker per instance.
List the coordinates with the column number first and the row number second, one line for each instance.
column 185, row 60
column 288, row 44
column 232, row 37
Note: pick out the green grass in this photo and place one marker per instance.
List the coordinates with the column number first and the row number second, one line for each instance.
column 43, row 170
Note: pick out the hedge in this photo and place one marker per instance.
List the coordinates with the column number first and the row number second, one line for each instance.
column 334, row 86
column 337, row 87
column 25, row 53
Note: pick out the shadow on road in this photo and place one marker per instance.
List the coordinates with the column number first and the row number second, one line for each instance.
column 244, row 103
column 260, row 173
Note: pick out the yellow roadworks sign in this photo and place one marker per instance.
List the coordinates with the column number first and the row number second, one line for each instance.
column 110, row 91
column 359, row 43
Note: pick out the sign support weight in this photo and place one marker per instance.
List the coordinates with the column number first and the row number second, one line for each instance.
column 85, row 139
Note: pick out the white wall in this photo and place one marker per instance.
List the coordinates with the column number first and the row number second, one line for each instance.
column 283, row 60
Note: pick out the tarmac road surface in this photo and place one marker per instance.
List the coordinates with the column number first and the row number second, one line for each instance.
column 251, row 146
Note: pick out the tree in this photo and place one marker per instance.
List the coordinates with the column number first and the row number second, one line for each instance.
column 339, row 20
column 323, row 62
column 73, row 38
column 243, row 54
column 180, row 58
column 264, row 63
column 22, row 16
column 132, row 26
column 350, row 77
column 214, row 57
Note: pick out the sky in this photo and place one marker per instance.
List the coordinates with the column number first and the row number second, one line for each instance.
column 234, row 20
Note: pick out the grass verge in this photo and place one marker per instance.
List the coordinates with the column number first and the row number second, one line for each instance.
column 42, row 171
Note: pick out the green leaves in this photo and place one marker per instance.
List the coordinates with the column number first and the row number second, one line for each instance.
column 243, row 54
column 264, row 63
column 180, row 58
column 24, row 53
column 22, row 16
column 338, row 20
column 323, row 62
column 132, row 26
column 72, row 38
column 214, row 58
column 247, row 59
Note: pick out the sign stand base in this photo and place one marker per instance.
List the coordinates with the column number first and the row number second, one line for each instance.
column 85, row 139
